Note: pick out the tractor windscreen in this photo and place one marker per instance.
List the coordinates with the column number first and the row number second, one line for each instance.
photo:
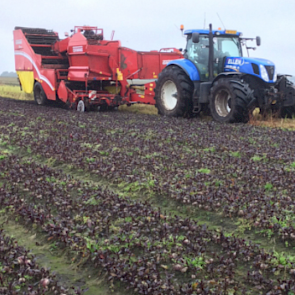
column 198, row 53
column 227, row 46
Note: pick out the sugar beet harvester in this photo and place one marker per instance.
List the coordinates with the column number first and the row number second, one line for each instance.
column 85, row 71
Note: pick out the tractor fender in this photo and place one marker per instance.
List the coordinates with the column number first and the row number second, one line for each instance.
column 227, row 74
column 188, row 67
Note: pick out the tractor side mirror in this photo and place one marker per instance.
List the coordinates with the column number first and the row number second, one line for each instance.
column 196, row 37
column 258, row 41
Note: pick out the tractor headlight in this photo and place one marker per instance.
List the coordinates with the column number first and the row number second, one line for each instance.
column 263, row 73
column 275, row 75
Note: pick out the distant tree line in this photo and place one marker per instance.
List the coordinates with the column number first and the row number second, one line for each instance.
column 8, row 74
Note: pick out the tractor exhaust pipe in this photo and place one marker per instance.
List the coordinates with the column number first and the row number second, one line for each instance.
column 211, row 54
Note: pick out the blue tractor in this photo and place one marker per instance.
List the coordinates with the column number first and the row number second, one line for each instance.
column 214, row 77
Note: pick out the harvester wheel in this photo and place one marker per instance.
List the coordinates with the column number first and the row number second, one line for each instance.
column 287, row 112
column 39, row 94
column 288, row 88
column 173, row 93
column 229, row 99
column 81, row 106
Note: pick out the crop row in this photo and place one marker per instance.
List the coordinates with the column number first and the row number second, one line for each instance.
column 148, row 250
column 198, row 134
column 20, row 273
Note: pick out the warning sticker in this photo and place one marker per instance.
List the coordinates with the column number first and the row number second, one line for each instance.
column 77, row 48
column 165, row 62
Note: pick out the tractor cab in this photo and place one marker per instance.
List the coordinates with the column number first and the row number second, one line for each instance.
column 225, row 44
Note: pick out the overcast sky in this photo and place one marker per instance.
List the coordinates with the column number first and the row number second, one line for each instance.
column 154, row 24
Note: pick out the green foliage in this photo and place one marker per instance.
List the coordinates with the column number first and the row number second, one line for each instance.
column 90, row 160
column 265, row 232
column 210, row 149
column 2, row 157
column 3, row 143
column 218, row 183
column 153, row 155
column 204, row 171
column 85, row 219
column 243, row 225
column 187, row 175
column 92, row 201
column 50, row 179
column 268, row 186
column 128, row 219
column 91, row 245
column 133, row 187
column 53, row 247
column 104, row 153
column 286, row 221
column 257, row 158
column 196, row 262
column 283, row 259
column 236, row 154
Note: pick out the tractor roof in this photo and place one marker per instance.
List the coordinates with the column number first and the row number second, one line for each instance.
column 206, row 32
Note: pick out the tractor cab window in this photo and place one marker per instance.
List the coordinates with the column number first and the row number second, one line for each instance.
column 198, row 53
column 227, row 46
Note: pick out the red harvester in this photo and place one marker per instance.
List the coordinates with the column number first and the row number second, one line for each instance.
column 84, row 70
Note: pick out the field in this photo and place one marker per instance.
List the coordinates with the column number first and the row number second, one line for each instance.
column 128, row 203
column 9, row 81
column 9, row 87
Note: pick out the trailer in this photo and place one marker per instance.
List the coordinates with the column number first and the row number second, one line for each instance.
column 85, row 71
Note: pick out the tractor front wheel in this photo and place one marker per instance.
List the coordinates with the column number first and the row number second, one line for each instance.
column 229, row 99
column 173, row 93
column 39, row 94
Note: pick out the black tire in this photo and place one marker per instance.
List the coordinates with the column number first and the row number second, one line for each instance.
column 39, row 94
column 103, row 108
column 288, row 88
column 287, row 112
column 179, row 103
column 229, row 99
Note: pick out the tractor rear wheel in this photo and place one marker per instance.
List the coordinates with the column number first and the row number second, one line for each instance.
column 39, row 94
column 229, row 99
column 173, row 93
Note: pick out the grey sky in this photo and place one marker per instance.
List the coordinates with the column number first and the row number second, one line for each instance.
column 154, row 24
